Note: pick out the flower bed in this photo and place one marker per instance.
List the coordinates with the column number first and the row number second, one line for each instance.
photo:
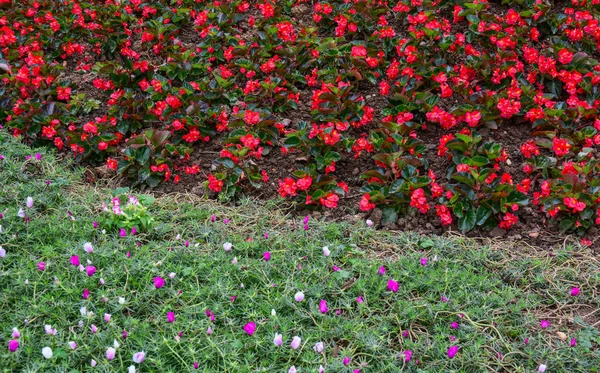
column 294, row 96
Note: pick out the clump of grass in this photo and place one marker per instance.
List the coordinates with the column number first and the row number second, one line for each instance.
column 487, row 300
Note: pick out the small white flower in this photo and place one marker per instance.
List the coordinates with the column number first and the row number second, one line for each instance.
column 104, row 231
column 116, row 344
column 0, row 229
column 121, row 300
column 139, row 357
column 131, row 369
column 83, row 311
column 318, row 347
column 299, row 296
column 326, row 251
column 26, row 281
column 101, row 281
column 227, row 246
column 29, row 202
column 242, row 285
column 172, row 275
column 21, row 213
column 2, row 252
column 88, row 248
column 47, row 352
column 273, row 313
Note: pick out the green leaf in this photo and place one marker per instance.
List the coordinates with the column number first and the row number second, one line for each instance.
column 467, row 221
column 389, row 215
column 483, row 213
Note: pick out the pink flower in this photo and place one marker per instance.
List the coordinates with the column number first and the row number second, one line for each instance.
column 278, row 340
column 250, row 328
column 424, row 261
column 209, row 331
column 75, row 261
column 575, row 292
column 196, row 365
column 454, row 325
column 72, row 345
column 139, row 357
column 346, row 360
column 171, row 317
column 159, row 282
column 392, row 285
column 41, row 266
column 107, row 317
column 94, row 329
column 267, row 256
column 452, row 351
column 123, row 232
column 110, row 353
column 381, row 270
column 133, row 231
column 86, row 293
column 407, row 355
column 90, row 270
column 296, row 341
column 544, row 324
column 573, row 342
column 323, row 306
column 88, row 248
column 299, row 296
column 359, row 300
column 15, row 333
column 13, row 345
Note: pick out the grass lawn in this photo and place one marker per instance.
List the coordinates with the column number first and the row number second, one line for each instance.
column 376, row 296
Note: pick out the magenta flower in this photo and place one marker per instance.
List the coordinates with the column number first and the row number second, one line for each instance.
column 424, row 261
column 86, row 293
column 209, row 331
column 13, row 345
column 125, row 334
column 278, row 340
column 267, row 256
column 573, row 342
column 575, row 292
column 323, row 306
column 381, row 270
column 159, row 282
column 15, row 333
column 346, row 360
column 250, row 328
column 133, row 231
column 196, row 365
column 171, row 317
column 41, row 266
column 75, row 261
column 392, row 285
column 407, row 355
column 107, row 317
column 544, row 324
column 95, row 224
column 454, row 325
column 359, row 300
column 336, row 268
column 90, row 270
column 452, row 351
column 123, row 232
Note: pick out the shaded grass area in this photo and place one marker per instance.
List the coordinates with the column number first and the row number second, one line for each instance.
column 496, row 295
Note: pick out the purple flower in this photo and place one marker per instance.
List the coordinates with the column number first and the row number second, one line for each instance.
column 41, row 266
column 278, row 340
column 544, row 324
column 306, row 218
column 90, row 270
column 159, row 282
column 250, row 328
column 196, row 365
column 123, row 232
column 454, row 325
column 381, row 270
column 526, row 341
column 267, row 256
column 209, row 331
column 323, row 306
column 296, row 341
column 86, row 293
column 139, row 357
column 125, row 334
column 392, row 285
column 407, row 355
column 213, row 218
column 171, row 317
column 346, row 360
column 359, row 300
column 75, row 261
column 13, row 345
column 94, row 328
column 575, row 292
column 336, row 268
column 133, row 231
column 423, row 262
column 573, row 342
column 452, row 351
column 95, row 224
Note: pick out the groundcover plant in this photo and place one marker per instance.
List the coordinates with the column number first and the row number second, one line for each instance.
column 94, row 280
column 476, row 114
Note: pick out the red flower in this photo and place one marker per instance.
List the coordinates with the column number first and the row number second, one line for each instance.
column 365, row 204
column 214, row 184
column 287, row 187
column 565, row 57
column 251, row 117
column 560, row 146
column 173, row 102
column 508, row 221
column 304, row 183
column 330, row 201
column 111, row 164
column 63, row 93
column 472, row 118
